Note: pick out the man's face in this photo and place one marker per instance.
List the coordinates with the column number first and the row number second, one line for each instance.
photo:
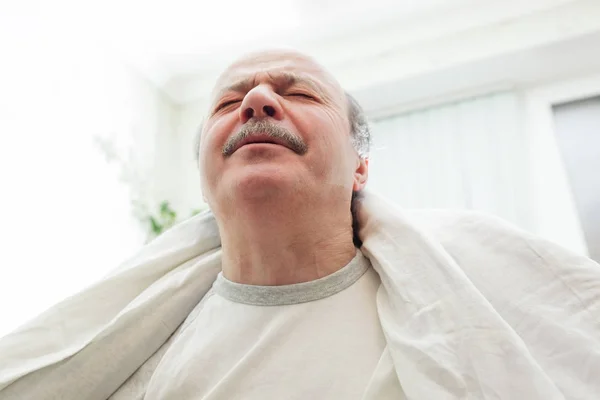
column 277, row 122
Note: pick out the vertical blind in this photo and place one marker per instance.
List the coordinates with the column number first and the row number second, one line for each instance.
column 469, row 154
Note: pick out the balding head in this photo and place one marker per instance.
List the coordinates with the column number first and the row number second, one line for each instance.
column 282, row 60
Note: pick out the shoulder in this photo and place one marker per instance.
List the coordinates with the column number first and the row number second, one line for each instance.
column 464, row 219
column 482, row 242
column 476, row 231
column 484, row 229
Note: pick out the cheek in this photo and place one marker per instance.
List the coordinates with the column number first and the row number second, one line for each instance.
column 205, row 170
column 328, row 138
column 205, row 154
column 209, row 151
column 333, row 136
column 219, row 129
column 215, row 136
column 323, row 129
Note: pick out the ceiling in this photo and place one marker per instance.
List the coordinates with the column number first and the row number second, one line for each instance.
column 182, row 45
column 183, row 37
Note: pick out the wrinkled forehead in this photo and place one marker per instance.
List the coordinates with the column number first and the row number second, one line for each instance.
column 266, row 63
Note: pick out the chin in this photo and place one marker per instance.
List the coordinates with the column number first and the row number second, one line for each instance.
column 262, row 182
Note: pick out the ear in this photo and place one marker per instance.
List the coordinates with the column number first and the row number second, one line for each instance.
column 361, row 174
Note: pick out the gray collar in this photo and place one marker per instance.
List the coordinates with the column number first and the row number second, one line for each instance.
column 295, row 293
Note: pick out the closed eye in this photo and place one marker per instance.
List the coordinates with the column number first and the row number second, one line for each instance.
column 298, row 94
column 226, row 104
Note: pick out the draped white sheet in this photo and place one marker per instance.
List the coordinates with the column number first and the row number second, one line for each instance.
column 470, row 307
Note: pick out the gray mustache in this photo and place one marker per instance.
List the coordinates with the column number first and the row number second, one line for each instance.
column 266, row 128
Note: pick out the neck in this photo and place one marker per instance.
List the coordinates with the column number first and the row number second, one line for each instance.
column 268, row 245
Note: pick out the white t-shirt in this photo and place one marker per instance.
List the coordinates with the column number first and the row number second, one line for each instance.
column 313, row 340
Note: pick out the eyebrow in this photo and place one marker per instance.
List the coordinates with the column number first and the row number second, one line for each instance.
column 282, row 79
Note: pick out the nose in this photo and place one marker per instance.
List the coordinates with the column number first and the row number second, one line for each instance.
column 261, row 102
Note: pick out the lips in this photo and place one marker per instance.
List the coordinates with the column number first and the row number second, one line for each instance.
column 263, row 131
column 260, row 138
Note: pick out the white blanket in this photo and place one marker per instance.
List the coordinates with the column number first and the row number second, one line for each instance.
column 471, row 308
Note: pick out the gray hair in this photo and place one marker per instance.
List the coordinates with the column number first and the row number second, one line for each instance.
column 360, row 133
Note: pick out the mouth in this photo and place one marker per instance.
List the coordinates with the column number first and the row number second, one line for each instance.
column 260, row 139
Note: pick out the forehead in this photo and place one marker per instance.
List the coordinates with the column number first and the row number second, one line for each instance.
column 274, row 63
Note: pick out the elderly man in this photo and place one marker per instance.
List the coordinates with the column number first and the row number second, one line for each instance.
column 299, row 284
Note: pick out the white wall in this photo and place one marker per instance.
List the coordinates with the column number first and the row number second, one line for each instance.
column 66, row 218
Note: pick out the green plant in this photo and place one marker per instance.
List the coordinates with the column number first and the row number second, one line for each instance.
column 132, row 173
column 164, row 219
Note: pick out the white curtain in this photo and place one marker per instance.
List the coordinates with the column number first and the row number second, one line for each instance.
column 469, row 154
